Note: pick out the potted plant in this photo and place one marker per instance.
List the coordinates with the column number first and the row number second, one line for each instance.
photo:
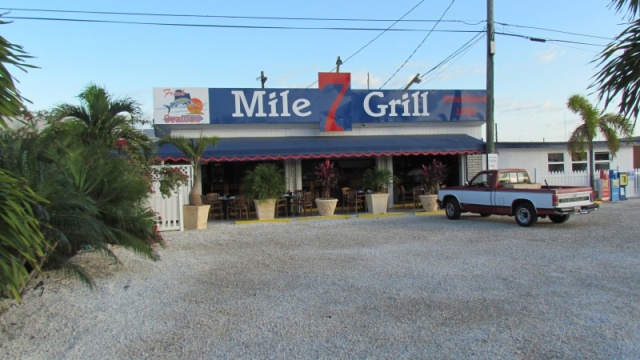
column 327, row 175
column 265, row 184
column 377, row 180
column 432, row 176
column 196, row 215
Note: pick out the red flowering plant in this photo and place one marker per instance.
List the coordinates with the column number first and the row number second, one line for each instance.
column 327, row 175
column 170, row 179
column 433, row 175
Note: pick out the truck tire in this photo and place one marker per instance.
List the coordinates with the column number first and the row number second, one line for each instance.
column 525, row 214
column 485, row 214
column 559, row 219
column 452, row 209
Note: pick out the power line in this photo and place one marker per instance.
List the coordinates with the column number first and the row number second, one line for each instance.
column 375, row 38
column 537, row 39
column 419, row 45
column 280, row 18
column 455, row 55
column 558, row 31
column 467, row 22
column 231, row 26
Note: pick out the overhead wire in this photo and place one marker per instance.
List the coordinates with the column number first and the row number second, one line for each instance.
column 458, row 53
column 419, row 45
column 230, row 26
column 467, row 22
column 462, row 50
column 375, row 38
column 279, row 18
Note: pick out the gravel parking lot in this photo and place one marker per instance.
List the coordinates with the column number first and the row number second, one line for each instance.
column 396, row 287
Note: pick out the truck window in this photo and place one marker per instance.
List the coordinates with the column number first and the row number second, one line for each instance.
column 523, row 177
column 482, row 180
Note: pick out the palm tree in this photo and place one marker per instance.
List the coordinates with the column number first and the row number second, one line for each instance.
column 193, row 150
column 103, row 118
column 11, row 102
column 619, row 75
column 22, row 244
column 609, row 125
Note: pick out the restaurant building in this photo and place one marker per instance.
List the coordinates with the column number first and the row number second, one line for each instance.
column 298, row 128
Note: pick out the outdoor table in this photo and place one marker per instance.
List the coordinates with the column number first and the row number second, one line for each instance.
column 225, row 204
column 290, row 197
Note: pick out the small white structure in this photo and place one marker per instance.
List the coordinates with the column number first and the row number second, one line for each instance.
column 552, row 162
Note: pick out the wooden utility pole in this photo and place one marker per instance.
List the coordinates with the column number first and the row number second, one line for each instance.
column 491, row 50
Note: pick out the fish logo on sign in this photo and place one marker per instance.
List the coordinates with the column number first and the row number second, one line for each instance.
column 182, row 99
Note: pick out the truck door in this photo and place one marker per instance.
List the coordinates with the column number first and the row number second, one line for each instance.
column 478, row 197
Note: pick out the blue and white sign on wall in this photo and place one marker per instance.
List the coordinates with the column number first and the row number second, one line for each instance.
column 334, row 105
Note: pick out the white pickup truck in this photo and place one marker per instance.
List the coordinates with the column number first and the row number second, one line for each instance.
column 510, row 192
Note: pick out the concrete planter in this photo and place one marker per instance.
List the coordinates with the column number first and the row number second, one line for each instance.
column 429, row 202
column 265, row 209
column 377, row 203
column 326, row 207
column 196, row 217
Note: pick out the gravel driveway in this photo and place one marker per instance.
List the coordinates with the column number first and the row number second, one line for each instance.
column 397, row 287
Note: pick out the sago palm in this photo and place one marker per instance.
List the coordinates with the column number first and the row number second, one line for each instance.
column 594, row 123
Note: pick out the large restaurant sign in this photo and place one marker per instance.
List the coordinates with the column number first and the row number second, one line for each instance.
column 334, row 105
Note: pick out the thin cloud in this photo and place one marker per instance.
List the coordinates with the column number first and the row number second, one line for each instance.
column 547, row 55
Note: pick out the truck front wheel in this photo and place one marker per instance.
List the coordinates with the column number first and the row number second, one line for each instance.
column 559, row 219
column 525, row 214
column 452, row 209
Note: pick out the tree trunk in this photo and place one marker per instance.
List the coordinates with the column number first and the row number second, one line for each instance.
column 591, row 169
column 195, row 197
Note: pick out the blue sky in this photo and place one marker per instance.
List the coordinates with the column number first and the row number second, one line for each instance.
column 533, row 80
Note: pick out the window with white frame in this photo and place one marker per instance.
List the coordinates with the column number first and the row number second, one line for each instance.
column 601, row 160
column 555, row 162
column 579, row 162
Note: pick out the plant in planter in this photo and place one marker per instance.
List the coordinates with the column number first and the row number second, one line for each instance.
column 196, row 215
column 265, row 184
column 432, row 176
column 378, row 181
column 327, row 175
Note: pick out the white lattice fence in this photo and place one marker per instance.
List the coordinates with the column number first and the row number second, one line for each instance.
column 169, row 210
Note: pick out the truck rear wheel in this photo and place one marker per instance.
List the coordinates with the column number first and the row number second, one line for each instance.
column 526, row 215
column 452, row 209
column 559, row 219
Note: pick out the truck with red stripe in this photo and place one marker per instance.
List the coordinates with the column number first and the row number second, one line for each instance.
column 510, row 192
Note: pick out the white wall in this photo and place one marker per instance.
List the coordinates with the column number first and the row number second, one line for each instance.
column 535, row 159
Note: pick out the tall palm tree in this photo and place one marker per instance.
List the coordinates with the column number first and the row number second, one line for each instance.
column 193, row 150
column 594, row 122
column 619, row 75
column 103, row 118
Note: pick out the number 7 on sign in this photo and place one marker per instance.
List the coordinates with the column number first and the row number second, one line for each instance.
column 343, row 79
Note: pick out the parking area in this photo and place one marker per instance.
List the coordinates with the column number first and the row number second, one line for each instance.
column 398, row 287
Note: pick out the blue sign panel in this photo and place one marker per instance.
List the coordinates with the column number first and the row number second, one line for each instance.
column 418, row 106
column 334, row 106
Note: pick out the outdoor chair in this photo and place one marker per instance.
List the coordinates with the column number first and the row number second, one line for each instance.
column 416, row 197
column 239, row 205
column 405, row 195
column 345, row 196
column 282, row 204
column 304, row 203
column 354, row 200
column 213, row 200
